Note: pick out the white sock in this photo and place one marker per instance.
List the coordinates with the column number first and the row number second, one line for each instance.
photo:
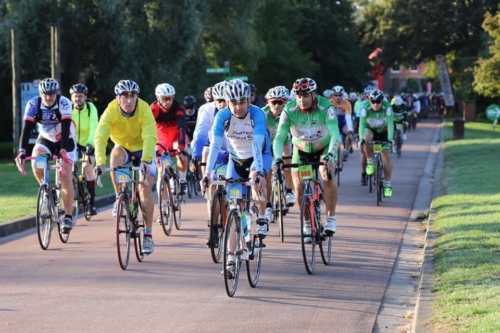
column 182, row 175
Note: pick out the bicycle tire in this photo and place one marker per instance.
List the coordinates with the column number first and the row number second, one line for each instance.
column 378, row 180
column 177, row 205
column 232, row 229
column 43, row 217
column 64, row 237
column 123, row 231
column 195, row 190
column 399, row 143
column 370, row 183
column 216, row 227
column 189, row 188
column 308, row 249
column 281, row 208
column 139, row 231
column 167, row 218
column 340, row 165
column 326, row 254
column 76, row 201
column 86, row 207
column 254, row 262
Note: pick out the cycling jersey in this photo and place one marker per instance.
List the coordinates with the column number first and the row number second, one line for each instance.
column 191, row 124
column 377, row 121
column 246, row 138
column 202, row 133
column 50, row 122
column 311, row 132
column 133, row 132
column 170, row 124
column 272, row 124
column 86, row 121
column 344, row 113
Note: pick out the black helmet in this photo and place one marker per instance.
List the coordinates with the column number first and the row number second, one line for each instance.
column 253, row 88
column 189, row 102
column 208, row 95
column 81, row 88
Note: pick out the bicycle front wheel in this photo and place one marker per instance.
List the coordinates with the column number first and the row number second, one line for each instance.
column 378, row 179
column 166, row 214
column 177, row 206
column 308, row 243
column 76, row 201
column 254, row 262
column 232, row 252
column 139, row 232
column 325, row 248
column 279, row 207
column 43, row 217
column 216, row 226
column 123, row 231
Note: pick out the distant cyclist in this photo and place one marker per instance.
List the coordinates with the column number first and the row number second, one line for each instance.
column 344, row 117
column 191, row 115
column 208, row 95
column 85, row 118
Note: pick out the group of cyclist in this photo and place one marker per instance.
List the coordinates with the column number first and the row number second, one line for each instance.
column 230, row 128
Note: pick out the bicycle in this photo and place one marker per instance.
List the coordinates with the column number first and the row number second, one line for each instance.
column 81, row 193
column 170, row 188
column 340, row 164
column 193, row 179
column 278, row 202
column 398, row 138
column 378, row 174
column 128, row 225
column 218, row 215
column 310, row 205
column 49, row 212
column 236, row 243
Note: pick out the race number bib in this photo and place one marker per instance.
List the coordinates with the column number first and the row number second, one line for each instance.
column 305, row 172
column 41, row 162
column 235, row 190
column 221, row 170
column 377, row 148
column 166, row 161
column 122, row 175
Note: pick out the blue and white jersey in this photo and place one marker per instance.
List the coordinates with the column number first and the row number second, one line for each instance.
column 49, row 120
column 246, row 138
column 202, row 134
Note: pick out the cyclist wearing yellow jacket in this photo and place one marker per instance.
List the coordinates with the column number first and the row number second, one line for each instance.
column 130, row 124
column 85, row 118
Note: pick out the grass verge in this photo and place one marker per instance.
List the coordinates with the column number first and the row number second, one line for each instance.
column 467, row 251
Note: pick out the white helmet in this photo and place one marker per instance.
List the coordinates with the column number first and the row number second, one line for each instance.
column 164, row 90
column 328, row 93
column 398, row 100
column 353, row 95
column 236, row 91
column 218, row 90
column 48, row 86
column 368, row 90
column 345, row 96
column 338, row 90
column 126, row 86
column 277, row 92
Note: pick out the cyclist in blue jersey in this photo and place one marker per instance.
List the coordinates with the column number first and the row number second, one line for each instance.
column 244, row 126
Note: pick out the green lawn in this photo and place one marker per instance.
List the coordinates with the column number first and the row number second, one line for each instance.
column 18, row 195
column 467, row 251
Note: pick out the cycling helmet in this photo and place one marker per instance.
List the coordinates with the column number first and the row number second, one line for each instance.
column 218, row 90
column 126, row 86
column 376, row 96
column 277, row 92
column 48, row 86
column 398, row 100
column 328, row 93
column 208, row 95
column 253, row 88
column 368, row 90
column 353, row 95
column 164, row 90
column 189, row 102
column 78, row 88
column 236, row 91
column 304, row 86
column 292, row 95
column 338, row 90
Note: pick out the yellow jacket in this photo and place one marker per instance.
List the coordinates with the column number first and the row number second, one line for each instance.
column 85, row 123
column 132, row 133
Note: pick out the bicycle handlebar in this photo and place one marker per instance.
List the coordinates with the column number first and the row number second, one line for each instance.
column 99, row 173
column 53, row 157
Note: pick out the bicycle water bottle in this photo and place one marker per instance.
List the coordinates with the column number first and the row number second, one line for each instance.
column 245, row 226
column 133, row 210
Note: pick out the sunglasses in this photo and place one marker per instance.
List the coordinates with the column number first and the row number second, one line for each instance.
column 378, row 101
column 336, row 95
column 277, row 102
column 167, row 99
column 303, row 85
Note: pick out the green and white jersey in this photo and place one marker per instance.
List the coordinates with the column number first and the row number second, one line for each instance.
column 377, row 121
column 311, row 132
column 272, row 124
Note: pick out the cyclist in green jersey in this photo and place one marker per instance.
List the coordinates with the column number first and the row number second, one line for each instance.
column 277, row 98
column 376, row 123
column 400, row 114
column 312, row 120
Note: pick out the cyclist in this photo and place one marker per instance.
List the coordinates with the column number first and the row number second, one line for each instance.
column 344, row 118
column 244, row 126
column 203, row 135
column 129, row 123
column 56, row 136
column 277, row 98
column 357, row 111
column 315, row 135
column 171, row 128
column 377, row 123
column 191, row 115
column 208, row 95
column 85, row 118
column 400, row 114
column 254, row 98
column 328, row 93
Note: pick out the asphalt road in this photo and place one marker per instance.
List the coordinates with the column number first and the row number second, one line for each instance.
column 79, row 286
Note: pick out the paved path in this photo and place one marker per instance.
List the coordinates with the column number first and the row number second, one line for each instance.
column 79, row 287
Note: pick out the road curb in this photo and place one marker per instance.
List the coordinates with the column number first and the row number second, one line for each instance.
column 27, row 222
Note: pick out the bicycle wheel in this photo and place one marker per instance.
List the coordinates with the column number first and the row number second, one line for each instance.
column 123, row 231
column 325, row 248
column 399, row 143
column 177, row 206
column 64, row 237
column 340, row 165
column 189, row 185
column 254, row 262
column 167, row 218
column 86, row 206
column 370, row 183
column 232, row 236
column 76, row 201
column 378, row 180
column 308, row 247
column 278, row 208
column 43, row 217
column 138, row 233
column 216, row 226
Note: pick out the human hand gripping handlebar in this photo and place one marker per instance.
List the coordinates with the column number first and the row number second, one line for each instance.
column 98, row 172
column 59, row 161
